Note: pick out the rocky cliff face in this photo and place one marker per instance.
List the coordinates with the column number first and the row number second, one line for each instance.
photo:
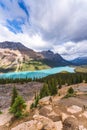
column 51, row 56
column 21, row 48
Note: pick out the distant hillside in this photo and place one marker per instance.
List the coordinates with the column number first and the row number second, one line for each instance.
column 52, row 59
column 14, row 56
column 80, row 61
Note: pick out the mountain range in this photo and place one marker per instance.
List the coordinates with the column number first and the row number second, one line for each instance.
column 79, row 61
column 14, row 56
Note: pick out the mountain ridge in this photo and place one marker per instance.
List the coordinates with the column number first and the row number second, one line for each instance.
column 80, row 61
column 20, row 58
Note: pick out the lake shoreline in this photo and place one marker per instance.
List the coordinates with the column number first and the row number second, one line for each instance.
column 37, row 74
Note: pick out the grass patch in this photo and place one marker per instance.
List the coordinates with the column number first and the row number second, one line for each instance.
column 33, row 65
column 0, row 112
column 69, row 95
column 82, row 69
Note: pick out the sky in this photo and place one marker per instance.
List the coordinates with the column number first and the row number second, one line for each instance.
column 57, row 25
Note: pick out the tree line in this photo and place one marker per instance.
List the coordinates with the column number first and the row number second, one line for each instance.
column 61, row 79
column 66, row 78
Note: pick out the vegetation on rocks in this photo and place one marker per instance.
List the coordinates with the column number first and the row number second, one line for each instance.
column 49, row 89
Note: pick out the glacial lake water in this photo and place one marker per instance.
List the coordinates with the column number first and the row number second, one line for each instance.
column 36, row 74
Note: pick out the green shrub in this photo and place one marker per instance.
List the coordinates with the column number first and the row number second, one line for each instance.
column 70, row 93
column 0, row 112
column 32, row 106
column 70, row 90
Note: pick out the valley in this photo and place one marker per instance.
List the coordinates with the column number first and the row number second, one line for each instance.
column 15, row 57
column 52, row 90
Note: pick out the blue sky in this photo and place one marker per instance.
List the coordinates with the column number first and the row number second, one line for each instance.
column 59, row 25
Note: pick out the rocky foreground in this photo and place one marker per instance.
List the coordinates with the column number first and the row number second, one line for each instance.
column 52, row 113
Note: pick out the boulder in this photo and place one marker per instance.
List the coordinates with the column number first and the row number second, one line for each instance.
column 59, row 125
column 45, row 101
column 45, row 110
column 55, row 117
column 64, row 116
column 84, row 114
column 38, row 123
column 48, row 124
column 70, row 123
column 30, row 125
column 74, row 109
column 81, row 127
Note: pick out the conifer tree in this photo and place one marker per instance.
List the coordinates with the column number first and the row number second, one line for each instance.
column 36, row 100
column 44, row 91
column 53, row 86
column 14, row 95
column 18, row 107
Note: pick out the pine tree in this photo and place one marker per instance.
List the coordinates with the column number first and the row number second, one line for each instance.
column 18, row 107
column 53, row 87
column 44, row 91
column 36, row 100
column 14, row 95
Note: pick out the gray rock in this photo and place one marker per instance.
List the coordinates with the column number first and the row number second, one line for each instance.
column 70, row 123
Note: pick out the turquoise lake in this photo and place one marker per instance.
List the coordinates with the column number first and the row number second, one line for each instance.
column 37, row 74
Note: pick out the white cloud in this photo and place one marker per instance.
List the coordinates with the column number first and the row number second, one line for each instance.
column 59, row 25
column 60, row 19
column 72, row 50
column 35, row 42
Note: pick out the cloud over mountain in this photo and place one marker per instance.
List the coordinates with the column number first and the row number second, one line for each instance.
column 46, row 24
